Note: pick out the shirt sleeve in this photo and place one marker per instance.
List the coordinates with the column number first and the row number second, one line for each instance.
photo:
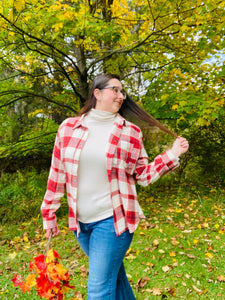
column 55, row 188
column 147, row 173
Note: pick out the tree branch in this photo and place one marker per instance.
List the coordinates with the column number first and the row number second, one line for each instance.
column 28, row 95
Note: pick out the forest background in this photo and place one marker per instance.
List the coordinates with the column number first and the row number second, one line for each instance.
column 170, row 56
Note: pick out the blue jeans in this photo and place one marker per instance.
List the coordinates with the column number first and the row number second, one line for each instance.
column 107, row 278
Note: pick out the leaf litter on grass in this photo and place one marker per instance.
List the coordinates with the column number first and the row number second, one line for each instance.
column 177, row 251
column 185, row 239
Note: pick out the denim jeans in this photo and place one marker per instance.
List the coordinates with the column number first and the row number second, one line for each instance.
column 107, row 278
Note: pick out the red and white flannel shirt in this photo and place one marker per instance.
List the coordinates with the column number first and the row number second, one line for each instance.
column 127, row 163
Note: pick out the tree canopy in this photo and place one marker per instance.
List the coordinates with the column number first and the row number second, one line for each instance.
column 50, row 51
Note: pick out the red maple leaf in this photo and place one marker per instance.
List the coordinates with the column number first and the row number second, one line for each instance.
column 50, row 278
column 38, row 264
column 17, row 280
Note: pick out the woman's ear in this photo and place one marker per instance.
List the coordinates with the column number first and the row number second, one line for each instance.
column 97, row 94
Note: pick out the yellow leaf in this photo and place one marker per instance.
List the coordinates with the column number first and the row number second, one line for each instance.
column 142, row 233
column 25, row 238
column 16, row 239
column 19, row 5
column 57, row 26
column 128, row 251
column 221, row 102
column 172, row 254
column 50, row 256
column 130, row 256
column 31, row 280
column 164, row 97
column 175, row 106
column 13, row 255
column 209, row 255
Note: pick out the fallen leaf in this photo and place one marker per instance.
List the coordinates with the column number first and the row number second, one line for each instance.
column 130, row 256
column 142, row 233
column 174, row 241
column 16, row 239
column 84, row 271
column 171, row 291
column 13, row 255
column 142, row 282
column 25, row 237
column 150, row 264
column 166, row 269
column 161, row 251
column 155, row 243
column 197, row 290
column 156, row 291
column 221, row 278
column 77, row 296
column 190, row 255
column 209, row 255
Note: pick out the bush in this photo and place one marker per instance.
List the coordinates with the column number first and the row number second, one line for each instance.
column 20, row 195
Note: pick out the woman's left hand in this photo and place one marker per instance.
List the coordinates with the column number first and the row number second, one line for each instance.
column 180, row 146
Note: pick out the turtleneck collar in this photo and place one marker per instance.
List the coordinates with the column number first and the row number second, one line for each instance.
column 101, row 115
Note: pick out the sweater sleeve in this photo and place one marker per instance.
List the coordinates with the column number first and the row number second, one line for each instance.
column 55, row 188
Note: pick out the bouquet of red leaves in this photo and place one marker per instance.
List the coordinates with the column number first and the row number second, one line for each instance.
column 48, row 277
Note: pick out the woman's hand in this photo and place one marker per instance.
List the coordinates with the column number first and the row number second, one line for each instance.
column 55, row 231
column 180, row 146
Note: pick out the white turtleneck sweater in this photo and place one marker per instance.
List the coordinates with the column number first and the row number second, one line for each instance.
column 94, row 201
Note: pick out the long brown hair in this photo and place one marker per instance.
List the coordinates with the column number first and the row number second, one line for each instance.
column 129, row 107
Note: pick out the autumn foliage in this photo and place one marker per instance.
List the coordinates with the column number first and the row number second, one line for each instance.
column 49, row 277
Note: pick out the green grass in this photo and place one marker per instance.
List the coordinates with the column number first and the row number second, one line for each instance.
column 177, row 251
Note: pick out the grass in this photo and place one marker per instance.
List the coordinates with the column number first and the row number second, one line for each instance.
column 177, row 251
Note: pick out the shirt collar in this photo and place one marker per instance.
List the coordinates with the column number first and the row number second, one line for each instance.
column 79, row 122
column 120, row 120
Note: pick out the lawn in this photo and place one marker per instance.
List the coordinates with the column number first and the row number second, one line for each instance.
column 177, row 252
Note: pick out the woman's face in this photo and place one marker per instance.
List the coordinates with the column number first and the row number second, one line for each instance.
column 111, row 97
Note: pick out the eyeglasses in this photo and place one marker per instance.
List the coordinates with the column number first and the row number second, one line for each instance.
column 116, row 90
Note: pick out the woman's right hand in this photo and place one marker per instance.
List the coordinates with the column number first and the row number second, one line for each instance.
column 55, row 231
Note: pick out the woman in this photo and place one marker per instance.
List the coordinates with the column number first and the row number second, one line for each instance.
column 98, row 156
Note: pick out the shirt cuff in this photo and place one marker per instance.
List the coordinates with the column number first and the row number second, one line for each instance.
column 172, row 156
column 171, row 161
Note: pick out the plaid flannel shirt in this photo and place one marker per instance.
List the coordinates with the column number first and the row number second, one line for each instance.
column 127, row 163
